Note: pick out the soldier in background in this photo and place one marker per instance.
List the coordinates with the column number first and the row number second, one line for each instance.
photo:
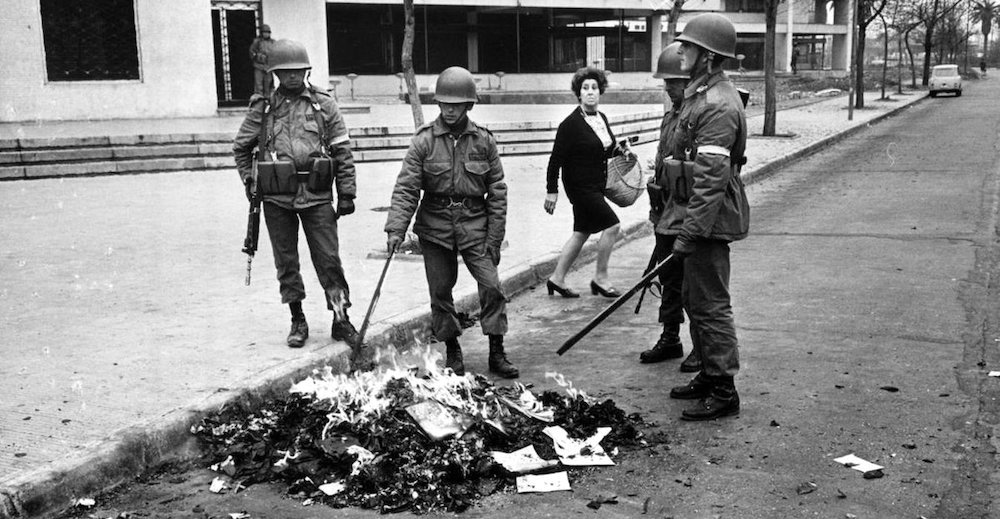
column 260, row 50
column 306, row 153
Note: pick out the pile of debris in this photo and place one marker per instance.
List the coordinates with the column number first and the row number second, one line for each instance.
column 409, row 436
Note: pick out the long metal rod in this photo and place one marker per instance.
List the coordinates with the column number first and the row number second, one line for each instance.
column 622, row 299
column 375, row 296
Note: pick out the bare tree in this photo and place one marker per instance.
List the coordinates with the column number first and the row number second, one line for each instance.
column 930, row 13
column 770, row 97
column 407, row 59
column 868, row 10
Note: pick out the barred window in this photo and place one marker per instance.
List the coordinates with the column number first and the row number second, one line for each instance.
column 90, row 40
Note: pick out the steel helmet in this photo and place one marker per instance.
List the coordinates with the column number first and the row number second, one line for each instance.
column 455, row 85
column 712, row 32
column 265, row 28
column 669, row 64
column 288, row 55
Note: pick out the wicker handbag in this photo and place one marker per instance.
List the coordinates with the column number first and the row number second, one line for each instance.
column 626, row 180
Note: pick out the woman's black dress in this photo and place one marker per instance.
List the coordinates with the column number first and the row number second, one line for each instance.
column 583, row 159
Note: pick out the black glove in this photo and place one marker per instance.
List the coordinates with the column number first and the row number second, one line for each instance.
column 493, row 253
column 345, row 206
column 248, row 184
column 393, row 243
column 683, row 246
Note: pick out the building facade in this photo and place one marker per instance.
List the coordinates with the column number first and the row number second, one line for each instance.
column 108, row 59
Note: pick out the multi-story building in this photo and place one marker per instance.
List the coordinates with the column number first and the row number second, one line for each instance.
column 97, row 59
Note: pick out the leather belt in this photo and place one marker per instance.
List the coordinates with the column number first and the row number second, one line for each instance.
column 449, row 201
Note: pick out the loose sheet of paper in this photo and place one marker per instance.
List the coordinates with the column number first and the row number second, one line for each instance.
column 579, row 453
column 543, row 482
column 522, row 461
column 856, row 463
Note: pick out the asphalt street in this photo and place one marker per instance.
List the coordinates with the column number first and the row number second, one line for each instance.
column 866, row 308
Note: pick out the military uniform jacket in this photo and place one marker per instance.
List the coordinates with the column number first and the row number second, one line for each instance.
column 712, row 133
column 260, row 51
column 466, row 167
column 668, row 220
column 293, row 134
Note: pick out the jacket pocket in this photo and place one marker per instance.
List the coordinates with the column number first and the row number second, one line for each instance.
column 477, row 167
column 678, row 179
column 436, row 168
column 320, row 174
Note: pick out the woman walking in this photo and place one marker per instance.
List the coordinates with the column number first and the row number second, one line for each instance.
column 583, row 144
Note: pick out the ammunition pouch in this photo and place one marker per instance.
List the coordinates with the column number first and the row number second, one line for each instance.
column 320, row 174
column 277, row 178
column 656, row 201
column 679, row 178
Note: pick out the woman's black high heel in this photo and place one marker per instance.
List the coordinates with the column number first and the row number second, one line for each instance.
column 565, row 292
column 597, row 289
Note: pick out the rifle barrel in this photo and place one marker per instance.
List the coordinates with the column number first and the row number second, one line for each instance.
column 616, row 304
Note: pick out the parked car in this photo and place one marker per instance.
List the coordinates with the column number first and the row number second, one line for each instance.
column 945, row 78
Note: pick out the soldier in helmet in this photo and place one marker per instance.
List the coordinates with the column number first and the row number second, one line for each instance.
column 305, row 172
column 710, row 143
column 463, row 212
column 667, row 214
column 260, row 49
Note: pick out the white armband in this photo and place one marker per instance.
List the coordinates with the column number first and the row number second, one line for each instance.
column 713, row 150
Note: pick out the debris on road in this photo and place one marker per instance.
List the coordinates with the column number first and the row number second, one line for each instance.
column 994, row 374
column 85, row 502
column 218, row 486
column 868, row 469
column 411, row 436
column 806, row 488
column 601, row 500
column 553, row 482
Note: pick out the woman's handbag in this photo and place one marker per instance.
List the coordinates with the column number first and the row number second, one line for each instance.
column 625, row 182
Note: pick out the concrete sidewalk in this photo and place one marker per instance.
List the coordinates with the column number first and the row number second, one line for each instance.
column 125, row 318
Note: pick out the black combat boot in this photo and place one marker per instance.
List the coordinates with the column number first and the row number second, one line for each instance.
column 498, row 359
column 667, row 347
column 692, row 364
column 299, row 332
column 343, row 330
column 722, row 401
column 699, row 387
column 454, row 356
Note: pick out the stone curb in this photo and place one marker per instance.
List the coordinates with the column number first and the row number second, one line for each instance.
column 133, row 451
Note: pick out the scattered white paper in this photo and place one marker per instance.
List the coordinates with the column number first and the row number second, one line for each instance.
column 858, row 464
column 994, row 373
column 85, row 502
column 332, row 488
column 522, row 461
column 543, row 482
column 227, row 466
column 239, row 515
column 579, row 453
column 364, row 457
column 218, row 486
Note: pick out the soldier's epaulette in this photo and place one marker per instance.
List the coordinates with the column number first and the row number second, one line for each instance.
column 424, row 127
column 321, row 93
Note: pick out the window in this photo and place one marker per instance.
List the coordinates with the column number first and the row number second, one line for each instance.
column 946, row 71
column 90, row 40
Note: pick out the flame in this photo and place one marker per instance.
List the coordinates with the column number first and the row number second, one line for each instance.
column 558, row 378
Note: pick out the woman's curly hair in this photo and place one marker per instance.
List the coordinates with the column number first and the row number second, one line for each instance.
column 586, row 73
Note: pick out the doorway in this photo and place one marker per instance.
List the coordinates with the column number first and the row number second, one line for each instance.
column 234, row 27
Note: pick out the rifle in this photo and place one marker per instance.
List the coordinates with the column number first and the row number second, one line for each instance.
column 253, row 229
column 617, row 303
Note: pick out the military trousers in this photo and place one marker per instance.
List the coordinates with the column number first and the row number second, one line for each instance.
column 706, row 299
column 671, row 279
column 319, row 223
column 263, row 82
column 441, row 266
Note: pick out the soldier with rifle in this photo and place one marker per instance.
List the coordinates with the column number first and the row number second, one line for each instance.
column 304, row 173
column 667, row 214
column 710, row 144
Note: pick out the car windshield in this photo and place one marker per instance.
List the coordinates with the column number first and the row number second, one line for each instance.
column 946, row 71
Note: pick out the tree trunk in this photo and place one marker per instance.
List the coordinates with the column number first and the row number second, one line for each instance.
column 770, row 98
column 928, row 50
column 407, row 60
column 885, row 54
column 672, row 17
column 859, row 67
column 909, row 52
